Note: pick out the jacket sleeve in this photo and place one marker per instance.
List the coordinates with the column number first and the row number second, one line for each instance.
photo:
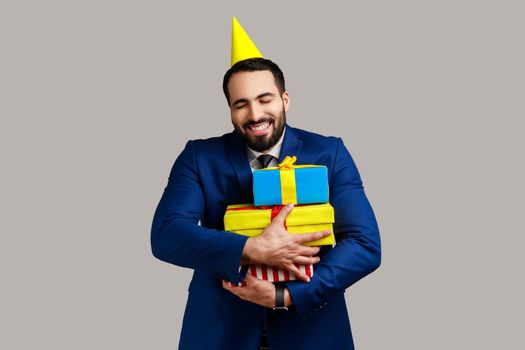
column 358, row 249
column 177, row 237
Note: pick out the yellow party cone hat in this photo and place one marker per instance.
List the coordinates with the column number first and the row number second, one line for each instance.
column 242, row 46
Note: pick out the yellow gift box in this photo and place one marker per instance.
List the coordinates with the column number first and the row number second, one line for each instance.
column 247, row 220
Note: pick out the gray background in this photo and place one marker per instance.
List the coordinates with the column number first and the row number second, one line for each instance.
column 98, row 98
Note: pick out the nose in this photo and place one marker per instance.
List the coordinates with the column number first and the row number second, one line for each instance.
column 255, row 111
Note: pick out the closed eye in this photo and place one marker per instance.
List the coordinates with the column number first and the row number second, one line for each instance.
column 266, row 99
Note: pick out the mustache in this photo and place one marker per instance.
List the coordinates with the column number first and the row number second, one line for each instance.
column 262, row 120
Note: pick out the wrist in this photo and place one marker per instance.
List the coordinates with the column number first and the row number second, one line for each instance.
column 287, row 298
column 248, row 252
column 251, row 252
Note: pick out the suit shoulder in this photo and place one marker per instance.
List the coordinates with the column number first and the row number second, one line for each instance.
column 210, row 141
column 210, row 148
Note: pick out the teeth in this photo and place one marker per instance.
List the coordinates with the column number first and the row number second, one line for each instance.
column 260, row 127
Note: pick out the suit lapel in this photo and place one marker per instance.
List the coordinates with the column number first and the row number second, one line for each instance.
column 291, row 144
column 236, row 152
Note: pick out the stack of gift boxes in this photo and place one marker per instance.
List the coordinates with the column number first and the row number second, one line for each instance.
column 306, row 186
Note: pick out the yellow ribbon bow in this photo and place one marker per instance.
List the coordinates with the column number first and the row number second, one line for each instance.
column 288, row 162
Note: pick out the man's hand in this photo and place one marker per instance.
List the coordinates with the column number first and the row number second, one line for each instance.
column 257, row 291
column 276, row 247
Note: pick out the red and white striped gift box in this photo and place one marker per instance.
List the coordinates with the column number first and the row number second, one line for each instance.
column 275, row 274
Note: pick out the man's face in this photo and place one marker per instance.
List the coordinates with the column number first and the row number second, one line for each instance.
column 258, row 110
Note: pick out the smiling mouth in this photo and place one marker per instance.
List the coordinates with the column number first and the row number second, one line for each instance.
column 259, row 128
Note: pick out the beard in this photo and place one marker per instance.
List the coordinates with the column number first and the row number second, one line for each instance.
column 264, row 142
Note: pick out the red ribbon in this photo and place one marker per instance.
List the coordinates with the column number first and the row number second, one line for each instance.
column 276, row 210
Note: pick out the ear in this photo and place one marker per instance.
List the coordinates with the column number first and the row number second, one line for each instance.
column 286, row 100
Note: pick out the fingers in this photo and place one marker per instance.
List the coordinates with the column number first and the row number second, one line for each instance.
column 283, row 214
column 249, row 279
column 308, row 251
column 298, row 273
column 314, row 236
column 306, row 260
column 228, row 285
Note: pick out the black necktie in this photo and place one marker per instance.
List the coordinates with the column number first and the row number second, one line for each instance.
column 264, row 160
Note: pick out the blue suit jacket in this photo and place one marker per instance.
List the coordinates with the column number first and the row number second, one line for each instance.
column 213, row 173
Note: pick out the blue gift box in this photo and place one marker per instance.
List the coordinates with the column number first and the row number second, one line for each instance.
column 301, row 184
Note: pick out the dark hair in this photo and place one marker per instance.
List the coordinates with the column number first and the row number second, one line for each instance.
column 252, row 65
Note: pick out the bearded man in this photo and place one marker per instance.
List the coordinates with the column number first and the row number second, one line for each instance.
column 188, row 229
